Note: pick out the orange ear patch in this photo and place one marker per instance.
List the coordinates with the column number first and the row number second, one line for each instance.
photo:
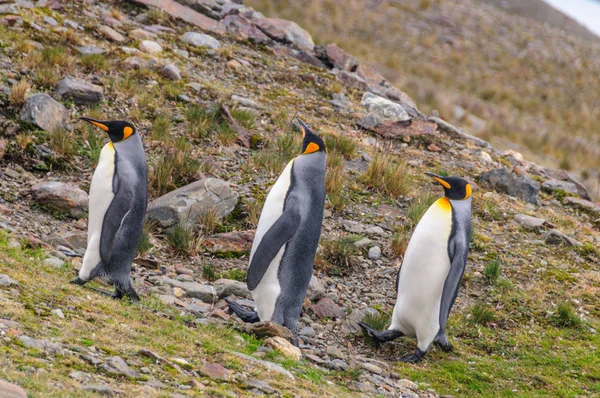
column 468, row 190
column 127, row 131
column 311, row 148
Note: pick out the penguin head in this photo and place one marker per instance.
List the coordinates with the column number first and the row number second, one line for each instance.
column 311, row 142
column 118, row 130
column 455, row 188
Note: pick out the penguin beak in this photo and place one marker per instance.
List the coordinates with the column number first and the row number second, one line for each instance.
column 303, row 127
column 97, row 123
column 439, row 179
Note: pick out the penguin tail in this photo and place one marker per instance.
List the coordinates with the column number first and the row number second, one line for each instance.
column 244, row 314
column 382, row 337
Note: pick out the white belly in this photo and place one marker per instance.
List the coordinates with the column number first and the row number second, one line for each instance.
column 423, row 274
column 266, row 293
column 101, row 195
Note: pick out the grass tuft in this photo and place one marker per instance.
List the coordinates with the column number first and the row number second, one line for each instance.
column 339, row 255
column 491, row 271
column 482, row 314
column 19, row 93
column 566, row 317
column 181, row 239
column 386, row 176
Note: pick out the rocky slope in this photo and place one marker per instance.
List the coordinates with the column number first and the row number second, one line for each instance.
column 213, row 89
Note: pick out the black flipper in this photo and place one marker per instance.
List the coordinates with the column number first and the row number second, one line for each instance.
column 458, row 250
column 413, row 358
column 278, row 235
column 382, row 337
column 113, row 218
column 244, row 314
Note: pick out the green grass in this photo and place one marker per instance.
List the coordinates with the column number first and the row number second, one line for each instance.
column 482, row 314
column 491, row 272
column 337, row 255
column 419, row 205
column 566, row 317
column 181, row 239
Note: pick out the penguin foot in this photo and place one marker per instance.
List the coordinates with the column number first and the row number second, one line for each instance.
column 386, row 335
column 78, row 281
column 244, row 314
column 443, row 344
column 413, row 358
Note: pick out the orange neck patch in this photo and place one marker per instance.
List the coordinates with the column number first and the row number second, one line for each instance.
column 311, row 148
column 127, row 131
column 444, row 204
column 468, row 191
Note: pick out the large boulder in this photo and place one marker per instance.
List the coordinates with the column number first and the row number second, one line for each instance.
column 186, row 204
column 65, row 198
column 227, row 287
column 80, row 91
column 43, row 111
column 9, row 390
column 585, row 205
column 387, row 109
column 242, row 28
column 339, row 58
column 520, row 186
column 286, row 32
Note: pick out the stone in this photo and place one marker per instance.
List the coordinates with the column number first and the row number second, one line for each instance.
column 44, row 112
column 522, row 186
column 80, row 376
column 182, row 270
column 456, row 132
column 90, row 50
column 80, row 91
column 244, row 29
column 387, row 109
column 585, row 205
column 200, row 40
column 433, row 148
column 186, row 204
column 484, row 157
column 339, row 58
column 135, row 63
column 117, row 365
column 284, row 346
column 362, row 387
column 270, row 329
column 327, row 308
column 197, row 290
column 42, row 345
column 246, row 102
column 237, row 241
column 374, row 253
column 170, row 71
column 259, row 385
column 562, row 175
column 139, row 34
column 531, row 222
column 363, row 242
column 307, row 332
column 215, row 371
column 315, row 290
column 58, row 313
column 369, row 121
column 286, row 32
column 111, row 34
column 9, row 390
column 101, row 389
column 60, row 196
column 350, row 324
column 7, row 281
column 53, row 262
column 404, row 383
column 553, row 185
column 335, row 352
column 338, row 364
column 228, row 287
column 555, row 237
column 150, row 47
column 369, row 367
column 266, row 364
column 9, row 324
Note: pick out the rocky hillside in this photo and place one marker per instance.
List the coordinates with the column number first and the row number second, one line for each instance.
column 213, row 87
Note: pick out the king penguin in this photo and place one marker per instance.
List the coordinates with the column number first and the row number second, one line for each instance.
column 287, row 236
column 433, row 265
column 117, row 206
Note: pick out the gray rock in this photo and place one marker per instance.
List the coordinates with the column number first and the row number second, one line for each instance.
column 58, row 312
column 315, row 290
column 358, row 228
column 248, row 103
column 170, row 71
column 530, row 222
column 80, row 376
column 90, row 50
column 520, row 186
column 553, row 185
column 243, row 28
column 53, row 262
column 111, row 34
column 9, row 390
column 456, row 132
column 387, row 109
column 44, row 112
column 63, row 197
column 307, row 332
column 375, row 253
column 369, row 367
column 369, row 121
column 186, row 204
column 555, row 237
column 135, row 63
column 117, row 365
column 287, row 32
column 42, row 345
column 50, row 21
column 101, row 389
column 227, row 287
column 363, row 242
column 260, row 385
column 80, row 91
column 150, row 47
column 338, row 364
column 350, row 325
column 7, row 281
column 200, row 40
column 8, row 9
column 267, row 365
column 335, row 352
column 585, row 205
column 206, row 293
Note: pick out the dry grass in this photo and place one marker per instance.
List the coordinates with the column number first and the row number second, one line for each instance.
column 62, row 143
column 387, row 176
column 19, row 93
column 209, row 221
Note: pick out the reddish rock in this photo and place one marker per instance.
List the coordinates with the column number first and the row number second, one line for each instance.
column 239, row 241
column 351, row 79
column 215, row 371
column 9, row 390
column 10, row 20
column 340, row 58
column 370, row 75
column 287, row 32
column 327, row 308
column 217, row 313
column 111, row 34
column 520, row 171
column 270, row 329
column 182, row 270
column 60, row 196
column 410, row 128
column 433, row 148
column 242, row 28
